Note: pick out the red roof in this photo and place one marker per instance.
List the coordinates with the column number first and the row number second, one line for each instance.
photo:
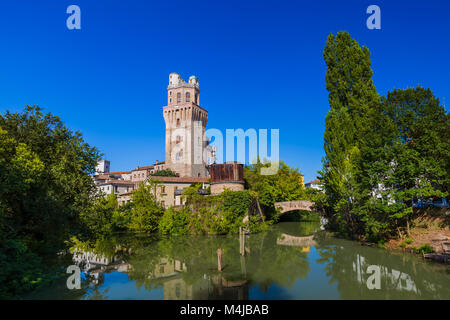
column 118, row 172
column 143, row 168
column 119, row 182
column 178, row 179
column 313, row 181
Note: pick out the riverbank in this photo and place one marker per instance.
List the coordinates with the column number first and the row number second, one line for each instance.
column 429, row 235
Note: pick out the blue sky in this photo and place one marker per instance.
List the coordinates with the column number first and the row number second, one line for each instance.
column 259, row 64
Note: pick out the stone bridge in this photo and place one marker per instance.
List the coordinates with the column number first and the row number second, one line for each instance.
column 294, row 205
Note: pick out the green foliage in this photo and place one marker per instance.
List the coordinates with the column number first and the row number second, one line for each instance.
column 101, row 217
column 44, row 187
column 164, row 173
column 285, row 185
column 45, row 176
column 20, row 269
column 190, row 195
column 425, row 248
column 174, row 221
column 220, row 214
column 146, row 211
column 381, row 153
column 237, row 202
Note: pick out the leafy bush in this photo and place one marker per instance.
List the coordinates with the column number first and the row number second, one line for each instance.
column 20, row 269
column 164, row 173
column 174, row 221
column 426, row 248
column 146, row 211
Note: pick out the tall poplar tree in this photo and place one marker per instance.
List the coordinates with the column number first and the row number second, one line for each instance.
column 353, row 100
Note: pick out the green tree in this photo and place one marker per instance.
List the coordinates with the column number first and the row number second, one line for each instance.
column 100, row 218
column 164, row 173
column 44, row 186
column 419, row 157
column 50, row 210
column 146, row 211
column 381, row 153
column 353, row 101
column 285, row 185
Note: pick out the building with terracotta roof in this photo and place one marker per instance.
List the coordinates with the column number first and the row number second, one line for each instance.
column 116, row 186
column 168, row 189
column 315, row 184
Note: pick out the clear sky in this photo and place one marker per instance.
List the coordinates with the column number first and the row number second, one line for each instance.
column 259, row 64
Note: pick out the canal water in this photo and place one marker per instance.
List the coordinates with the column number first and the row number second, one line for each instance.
column 293, row 260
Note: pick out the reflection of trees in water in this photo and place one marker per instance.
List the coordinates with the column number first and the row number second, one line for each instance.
column 96, row 293
column 186, row 267
column 188, row 264
column 402, row 276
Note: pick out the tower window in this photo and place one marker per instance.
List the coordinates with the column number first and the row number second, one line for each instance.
column 178, row 122
column 170, row 93
column 170, row 100
column 178, row 97
column 196, row 98
column 188, row 96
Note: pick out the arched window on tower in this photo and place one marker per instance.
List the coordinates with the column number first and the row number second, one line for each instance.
column 188, row 96
column 178, row 97
column 196, row 99
column 178, row 122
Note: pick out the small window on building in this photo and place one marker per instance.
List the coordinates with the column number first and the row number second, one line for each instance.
column 196, row 98
column 170, row 93
column 170, row 100
column 178, row 122
column 188, row 96
column 163, row 189
column 178, row 97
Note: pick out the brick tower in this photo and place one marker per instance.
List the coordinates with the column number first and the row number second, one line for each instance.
column 185, row 127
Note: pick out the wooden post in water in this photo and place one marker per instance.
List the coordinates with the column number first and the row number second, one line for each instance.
column 241, row 241
column 219, row 259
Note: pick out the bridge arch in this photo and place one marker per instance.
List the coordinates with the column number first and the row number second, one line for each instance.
column 287, row 206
